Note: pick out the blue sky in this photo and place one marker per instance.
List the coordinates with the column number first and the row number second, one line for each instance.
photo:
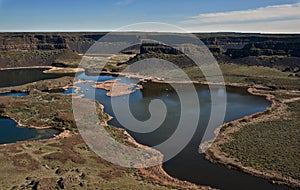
column 279, row 16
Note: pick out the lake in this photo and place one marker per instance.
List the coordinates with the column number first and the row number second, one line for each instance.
column 189, row 164
column 15, row 77
column 16, row 94
column 11, row 133
column 9, row 130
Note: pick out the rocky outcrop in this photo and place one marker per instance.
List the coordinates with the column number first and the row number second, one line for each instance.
column 279, row 51
column 21, row 42
column 47, row 41
column 157, row 48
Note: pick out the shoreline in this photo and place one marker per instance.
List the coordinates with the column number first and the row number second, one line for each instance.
column 203, row 147
column 155, row 173
column 30, row 67
column 50, row 69
column 62, row 133
column 215, row 155
column 112, row 85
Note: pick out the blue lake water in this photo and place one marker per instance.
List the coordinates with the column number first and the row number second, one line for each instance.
column 15, row 77
column 10, row 132
column 189, row 164
column 19, row 94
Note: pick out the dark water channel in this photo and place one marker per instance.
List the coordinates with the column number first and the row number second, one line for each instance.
column 10, row 132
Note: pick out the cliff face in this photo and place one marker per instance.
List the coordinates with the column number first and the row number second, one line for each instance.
column 238, row 45
column 238, row 41
column 19, row 42
column 40, row 49
column 281, row 51
column 47, row 41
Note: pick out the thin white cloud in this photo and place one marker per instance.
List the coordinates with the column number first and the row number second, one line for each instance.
column 286, row 26
column 264, row 13
column 280, row 18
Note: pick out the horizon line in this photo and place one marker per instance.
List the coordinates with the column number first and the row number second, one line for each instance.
column 107, row 31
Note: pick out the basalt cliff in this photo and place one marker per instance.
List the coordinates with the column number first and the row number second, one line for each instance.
column 281, row 51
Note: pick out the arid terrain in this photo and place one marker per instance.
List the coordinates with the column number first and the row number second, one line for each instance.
column 264, row 144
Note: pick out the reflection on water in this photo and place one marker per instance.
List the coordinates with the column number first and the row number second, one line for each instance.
column 68, row 91
column 189, row 164
column 19, row 94
column 14, row 77
column 9, row 130
column 11, row 133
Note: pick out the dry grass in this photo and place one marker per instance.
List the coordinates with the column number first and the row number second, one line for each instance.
column 66, row 163
column 271, row 146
